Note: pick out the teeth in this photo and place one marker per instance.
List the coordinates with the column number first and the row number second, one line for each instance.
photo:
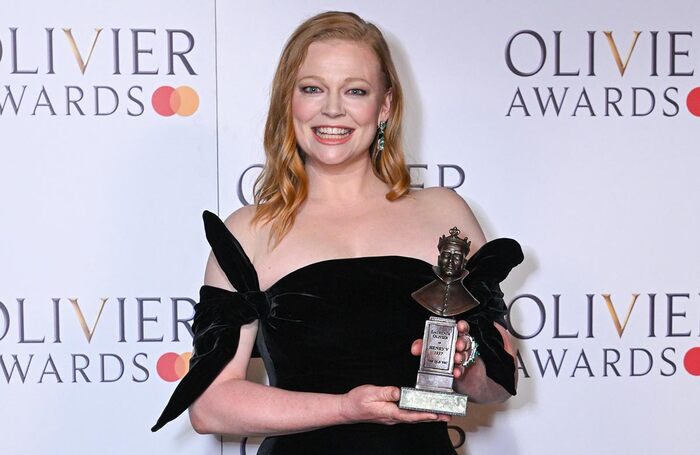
column 336, row 131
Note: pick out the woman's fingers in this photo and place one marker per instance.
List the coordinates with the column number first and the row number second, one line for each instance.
column 415, row 416
column 463, row 348
column 417, row 347
column 463, row 327
column 369, row 403
column 460, row 357
column 389, row 393
column 404, row 415
column 464, row 343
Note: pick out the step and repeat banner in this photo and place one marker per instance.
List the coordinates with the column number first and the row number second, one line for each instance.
column 571, row 127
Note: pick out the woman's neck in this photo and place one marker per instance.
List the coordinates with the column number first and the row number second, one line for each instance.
column 343, row 184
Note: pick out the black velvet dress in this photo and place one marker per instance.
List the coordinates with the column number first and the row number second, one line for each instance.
column 327, row 327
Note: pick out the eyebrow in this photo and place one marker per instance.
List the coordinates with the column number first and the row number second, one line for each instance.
column 347, row 80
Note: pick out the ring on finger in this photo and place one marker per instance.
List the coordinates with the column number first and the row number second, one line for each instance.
column 468, row 340
column 473, row 352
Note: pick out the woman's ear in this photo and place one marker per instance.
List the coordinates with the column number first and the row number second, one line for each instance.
column 386, row 106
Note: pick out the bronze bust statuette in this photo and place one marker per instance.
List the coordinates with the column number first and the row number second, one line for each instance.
column 445, row 296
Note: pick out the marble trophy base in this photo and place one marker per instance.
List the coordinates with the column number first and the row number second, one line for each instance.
column 449, row 403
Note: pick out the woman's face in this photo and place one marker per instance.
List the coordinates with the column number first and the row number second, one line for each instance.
column 339, row 98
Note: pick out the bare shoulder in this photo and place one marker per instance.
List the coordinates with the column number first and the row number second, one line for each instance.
column 447, row 209
column 240, row 223
column 439, row 195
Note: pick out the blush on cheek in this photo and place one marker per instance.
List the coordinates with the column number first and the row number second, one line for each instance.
column 302, row 110
column 364, row 112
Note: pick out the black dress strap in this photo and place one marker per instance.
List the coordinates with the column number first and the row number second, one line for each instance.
column 487, row 268
column 218, row 318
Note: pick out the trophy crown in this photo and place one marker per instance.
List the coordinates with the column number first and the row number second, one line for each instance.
column 455, row 239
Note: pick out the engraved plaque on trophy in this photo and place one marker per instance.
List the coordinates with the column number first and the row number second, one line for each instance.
column 445, row 296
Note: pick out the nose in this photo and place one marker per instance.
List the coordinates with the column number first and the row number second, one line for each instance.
column 333, row 106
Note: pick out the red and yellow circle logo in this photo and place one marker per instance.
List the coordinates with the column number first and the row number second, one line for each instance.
column 691, row 361
column 692, row 101
column 172, row 366
column 169, row 101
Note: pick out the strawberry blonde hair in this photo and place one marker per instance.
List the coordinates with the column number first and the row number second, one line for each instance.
column 283, row 184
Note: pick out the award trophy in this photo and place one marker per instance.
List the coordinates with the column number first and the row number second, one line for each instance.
column 445, row 296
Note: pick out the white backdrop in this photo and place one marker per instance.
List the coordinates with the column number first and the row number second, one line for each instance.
column 105, row 206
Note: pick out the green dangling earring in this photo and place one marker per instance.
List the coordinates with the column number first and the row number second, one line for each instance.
column 380, row 138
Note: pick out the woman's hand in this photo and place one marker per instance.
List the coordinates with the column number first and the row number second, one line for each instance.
column 369, row 403
column 463, row 348
column 472, row 380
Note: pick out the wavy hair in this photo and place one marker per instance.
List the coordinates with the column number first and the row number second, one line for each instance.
column 283, row 184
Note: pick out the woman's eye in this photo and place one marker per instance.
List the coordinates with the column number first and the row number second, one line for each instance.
column 311, row 89
column 357, row 92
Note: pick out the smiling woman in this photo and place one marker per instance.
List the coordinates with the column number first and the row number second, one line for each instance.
column 308, row 67
column 338, row 105
column 317, row 276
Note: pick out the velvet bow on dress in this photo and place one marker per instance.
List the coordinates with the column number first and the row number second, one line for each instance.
column 218, row 318
column 490, row 265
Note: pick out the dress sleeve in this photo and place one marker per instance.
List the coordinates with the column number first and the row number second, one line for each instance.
column 487, row 268
column 218, row 318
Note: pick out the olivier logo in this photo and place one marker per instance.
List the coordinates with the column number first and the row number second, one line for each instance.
column 96, row 72
column 109, row 340
column 602, row 74
column 596, row 338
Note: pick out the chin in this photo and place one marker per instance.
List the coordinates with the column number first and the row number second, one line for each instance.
column 333, row 157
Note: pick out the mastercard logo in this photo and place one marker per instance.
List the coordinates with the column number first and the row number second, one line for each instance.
column 691, row 361
column 172, row 366
column 168, row 101
column 692, row 101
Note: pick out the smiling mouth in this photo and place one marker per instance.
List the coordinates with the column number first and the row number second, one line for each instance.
column 326, row 132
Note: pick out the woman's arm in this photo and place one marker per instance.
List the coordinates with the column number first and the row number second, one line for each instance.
column 234, row 405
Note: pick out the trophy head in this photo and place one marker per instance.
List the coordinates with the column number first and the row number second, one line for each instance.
column 453, row 253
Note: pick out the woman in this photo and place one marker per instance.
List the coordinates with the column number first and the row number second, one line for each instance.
column 321, row 269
